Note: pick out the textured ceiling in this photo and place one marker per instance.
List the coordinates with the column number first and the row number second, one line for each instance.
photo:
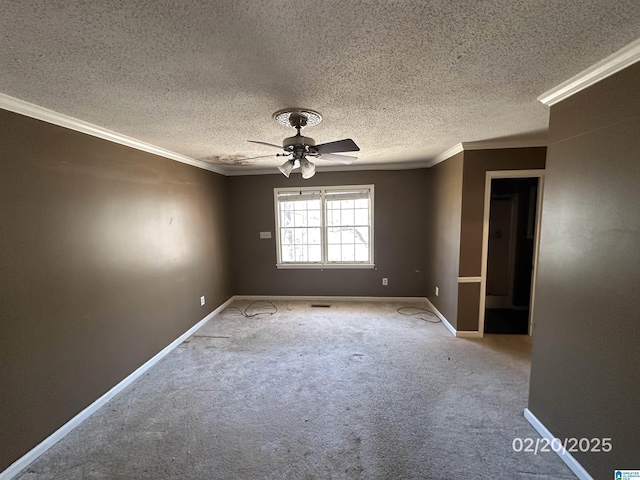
column 406, row 79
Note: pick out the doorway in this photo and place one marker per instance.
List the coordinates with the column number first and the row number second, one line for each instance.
column 512, row 207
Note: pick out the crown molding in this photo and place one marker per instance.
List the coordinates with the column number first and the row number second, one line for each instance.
column 498, row 145
column 483, row 145
column 446, row 155
column 613, row 63
column 22, row 107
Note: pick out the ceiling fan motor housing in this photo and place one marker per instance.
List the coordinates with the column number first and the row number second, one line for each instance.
column 298, row 145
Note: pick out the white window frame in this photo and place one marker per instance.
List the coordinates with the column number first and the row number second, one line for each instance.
column 324, row 246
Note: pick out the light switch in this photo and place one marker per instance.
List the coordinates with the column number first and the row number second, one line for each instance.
column 265, row 234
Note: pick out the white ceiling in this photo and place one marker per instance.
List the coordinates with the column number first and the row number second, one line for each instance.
column 406, row 79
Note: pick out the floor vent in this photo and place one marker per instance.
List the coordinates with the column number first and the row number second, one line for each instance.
column 320, row 305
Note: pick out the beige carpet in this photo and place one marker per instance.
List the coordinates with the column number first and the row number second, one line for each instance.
column 353, row 391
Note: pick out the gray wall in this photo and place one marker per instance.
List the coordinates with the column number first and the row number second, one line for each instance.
column 400, row 236
column 585, row 373
column 444, row 207
column 476, row 165
column 455, row 210
column 105, row 251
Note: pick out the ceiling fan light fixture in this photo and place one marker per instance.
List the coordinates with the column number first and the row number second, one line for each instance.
column 286, row 168
column 307, row 168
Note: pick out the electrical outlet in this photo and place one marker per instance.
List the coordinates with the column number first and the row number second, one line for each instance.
column 385, row 281
column 265, row 234
column 437, row 291
column 202, row 300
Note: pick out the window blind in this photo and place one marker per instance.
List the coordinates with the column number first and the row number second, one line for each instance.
column 299, row 196
column 338, row 195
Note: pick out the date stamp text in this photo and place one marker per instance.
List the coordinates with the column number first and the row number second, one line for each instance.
column 557, row 445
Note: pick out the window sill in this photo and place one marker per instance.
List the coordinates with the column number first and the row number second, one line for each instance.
column 322, row 266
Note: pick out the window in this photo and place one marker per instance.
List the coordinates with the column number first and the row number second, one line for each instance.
column 324, row 226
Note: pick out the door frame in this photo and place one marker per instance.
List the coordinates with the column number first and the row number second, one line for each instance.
column 490, row 175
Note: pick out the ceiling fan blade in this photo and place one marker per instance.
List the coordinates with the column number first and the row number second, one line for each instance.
column 346, row 145
column 265, row 143
column 344, row 159
column 264, row 156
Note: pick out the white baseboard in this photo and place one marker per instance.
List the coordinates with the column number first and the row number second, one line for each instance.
column 326, row 298
column 565, row 456
column 468, row 334
column 445, row 322
column 319, row 298
column 23, row 462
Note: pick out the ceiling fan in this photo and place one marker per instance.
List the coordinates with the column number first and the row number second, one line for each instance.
column 300, row 147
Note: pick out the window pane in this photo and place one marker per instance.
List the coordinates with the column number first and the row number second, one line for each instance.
column 314, row 218
column 333, row 217
column 348, row 253
column 362, row 235
column 361, row 203
column 314, row 236
column 333, row 235
column 362, row 216
column 287, row 205
column 301, row 219
column 347, row 235
column 287, row 219
column 362, row 253
column 301, row 253
column 286, row 236
column 300, row 236
column 333, row 253
column 297, row 206
column 315, row 253
column 287, row 253
column 348, row 216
